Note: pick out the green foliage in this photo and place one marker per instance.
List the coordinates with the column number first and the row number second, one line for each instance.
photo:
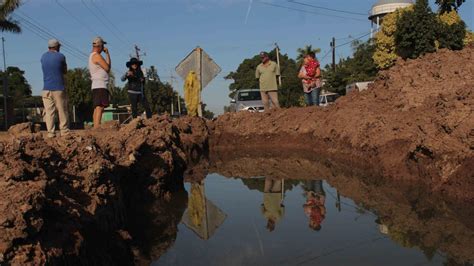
column 78, row 88
column 206, row 113
column 416, row 31
column 449, row 5
column 6, row 9
column 159, row 95
column 359, row 67
column 469, row 37
column 451, row 31
column 385, row 51
column 18, row 87
column 291, row 89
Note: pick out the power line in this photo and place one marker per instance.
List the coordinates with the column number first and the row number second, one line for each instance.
column 327, row 8
column 351, row 41
column 76, row 18
column 110, row 22
column 350, row 36
column 103, row 22
column 46, row 37
column 36, row 25
column 308, row 11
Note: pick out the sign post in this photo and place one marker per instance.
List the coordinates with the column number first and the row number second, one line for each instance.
column 204, row 67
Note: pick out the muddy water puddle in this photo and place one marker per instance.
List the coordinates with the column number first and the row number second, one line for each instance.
column 271, row 221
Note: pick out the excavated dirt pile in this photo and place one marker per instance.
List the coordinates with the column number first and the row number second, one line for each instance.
column 64, row 200
column 415, row 122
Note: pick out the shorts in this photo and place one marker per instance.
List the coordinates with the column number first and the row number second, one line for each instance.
column 100, row 97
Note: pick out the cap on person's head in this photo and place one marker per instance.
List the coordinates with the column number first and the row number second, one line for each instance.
column 53, row 43
column 263, row 54
column 98, row 41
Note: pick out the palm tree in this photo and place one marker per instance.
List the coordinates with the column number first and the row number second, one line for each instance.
column 6, row 23
column 306, row 50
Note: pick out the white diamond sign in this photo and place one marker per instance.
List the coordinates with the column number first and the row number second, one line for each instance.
column 202, row 64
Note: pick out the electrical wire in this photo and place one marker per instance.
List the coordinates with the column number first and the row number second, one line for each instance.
column 46, row 37
column 351, row 41
column 35, row 24
column 110, row 22
column 308, row 11
column 76, row 18
column 351, row 36
column 46, row 34
column 103, row 22
column 327, row 8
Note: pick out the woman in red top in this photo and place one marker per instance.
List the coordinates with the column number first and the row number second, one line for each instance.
column 310, row 75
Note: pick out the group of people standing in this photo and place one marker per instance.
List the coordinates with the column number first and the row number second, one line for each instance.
column 54, row 67
column 54, row 97
column 268, row 72
column 273, row 208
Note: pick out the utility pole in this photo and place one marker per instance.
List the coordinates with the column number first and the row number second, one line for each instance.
column 5, row 85
column 199, row 50
column 278, row 63
column 137, row 52
column 173, row 80
column 333, row 46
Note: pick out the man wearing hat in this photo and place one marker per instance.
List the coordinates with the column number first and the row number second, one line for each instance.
column 53, row 64
column 267, row 73
column 99, row 69
column 136, row 81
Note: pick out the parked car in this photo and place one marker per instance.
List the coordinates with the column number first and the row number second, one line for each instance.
column 328, row 98
column 248, row 100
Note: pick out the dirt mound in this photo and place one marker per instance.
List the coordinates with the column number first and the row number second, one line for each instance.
column 63, row 199
column 415, row 122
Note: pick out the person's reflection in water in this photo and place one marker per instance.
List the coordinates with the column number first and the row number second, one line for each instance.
column 314, row 206
column 272, row 206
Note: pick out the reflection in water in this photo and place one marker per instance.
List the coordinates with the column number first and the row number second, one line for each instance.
column 272, row 206
column 311, row 222
column 314, row 206
column 202, row 216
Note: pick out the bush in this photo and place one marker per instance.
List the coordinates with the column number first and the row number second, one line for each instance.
column 385, row 50
column 416, row 31
column 451, row 31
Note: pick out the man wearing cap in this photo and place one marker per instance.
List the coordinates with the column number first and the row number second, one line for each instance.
column 267, row 73
column 99, row 69
column 53, row 64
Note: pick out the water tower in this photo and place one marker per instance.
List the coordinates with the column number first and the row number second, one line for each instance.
column 384, row 7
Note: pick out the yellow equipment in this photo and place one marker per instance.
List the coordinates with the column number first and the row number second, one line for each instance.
column 192, row 93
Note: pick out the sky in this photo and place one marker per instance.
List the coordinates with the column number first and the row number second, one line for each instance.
column 168, row 30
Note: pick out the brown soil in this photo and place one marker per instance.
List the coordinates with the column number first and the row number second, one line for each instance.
column 64, row 200
column 415, row 123
column 86, row 198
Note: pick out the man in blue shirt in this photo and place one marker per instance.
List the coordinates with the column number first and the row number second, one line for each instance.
column 54, row 96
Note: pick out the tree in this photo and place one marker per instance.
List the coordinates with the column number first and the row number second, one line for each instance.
column 78, row 88
column 244, row 78
column 451, row 31
column 359, row 67
column 385, row 51
column 6, row 9
column 449, row 5
column 302, row 52
column 206, row 113
column 18, row 87
column 159, row 95
column 416, row 31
